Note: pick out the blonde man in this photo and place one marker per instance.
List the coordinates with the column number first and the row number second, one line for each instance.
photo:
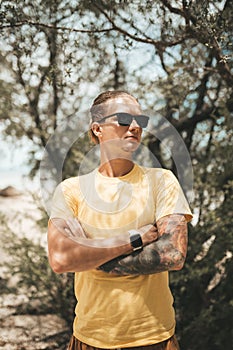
column 120, row 229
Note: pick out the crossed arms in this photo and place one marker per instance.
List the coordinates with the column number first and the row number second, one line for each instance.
column 164, row 248
column 167, row 253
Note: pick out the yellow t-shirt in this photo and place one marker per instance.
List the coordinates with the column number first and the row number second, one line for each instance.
column 121, row 311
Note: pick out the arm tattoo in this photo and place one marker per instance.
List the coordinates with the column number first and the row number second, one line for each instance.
column 167, row 253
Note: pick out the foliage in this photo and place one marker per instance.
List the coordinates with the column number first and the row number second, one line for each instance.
column 176, row 57
column 203, row 289
column 46, row 291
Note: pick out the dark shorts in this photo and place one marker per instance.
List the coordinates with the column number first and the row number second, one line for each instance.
column 169, row 344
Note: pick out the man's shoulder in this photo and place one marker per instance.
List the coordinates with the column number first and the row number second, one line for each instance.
column 74, row 181
column 70, row 182
column 158, row 172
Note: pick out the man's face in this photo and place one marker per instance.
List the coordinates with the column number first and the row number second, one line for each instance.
column 117, row 137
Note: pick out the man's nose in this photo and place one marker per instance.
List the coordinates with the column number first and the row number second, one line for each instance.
column 134, row 124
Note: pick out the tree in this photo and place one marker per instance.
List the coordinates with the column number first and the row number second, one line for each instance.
column 176, row 57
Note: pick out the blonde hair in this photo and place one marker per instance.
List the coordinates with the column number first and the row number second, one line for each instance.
column 97, row 108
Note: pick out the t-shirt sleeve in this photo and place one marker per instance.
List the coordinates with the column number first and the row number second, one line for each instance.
column 170, row 198
column 61, row 204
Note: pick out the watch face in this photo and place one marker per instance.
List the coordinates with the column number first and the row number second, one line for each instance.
column 135, row 240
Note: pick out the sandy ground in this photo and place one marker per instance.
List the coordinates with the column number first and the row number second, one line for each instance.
column 24, row 331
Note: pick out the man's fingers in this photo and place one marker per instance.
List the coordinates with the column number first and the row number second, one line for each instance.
column 68, row 232
column 75, row 227
column 73, row 224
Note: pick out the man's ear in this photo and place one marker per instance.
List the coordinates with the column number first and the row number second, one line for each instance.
column 96, row 129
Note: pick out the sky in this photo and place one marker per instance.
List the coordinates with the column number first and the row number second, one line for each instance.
column 13, row 165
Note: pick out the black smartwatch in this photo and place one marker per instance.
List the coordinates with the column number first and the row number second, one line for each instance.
column 135, row 240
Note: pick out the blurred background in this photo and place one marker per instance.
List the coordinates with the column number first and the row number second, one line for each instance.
column 56, row 56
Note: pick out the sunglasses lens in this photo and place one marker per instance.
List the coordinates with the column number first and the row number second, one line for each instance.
column 142, row 121
column 124, row 119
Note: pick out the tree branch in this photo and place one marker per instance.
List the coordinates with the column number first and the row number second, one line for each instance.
column 147, row 40
column 51, row 26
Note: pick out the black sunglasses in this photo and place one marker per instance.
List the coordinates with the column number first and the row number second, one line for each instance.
column 125, row 119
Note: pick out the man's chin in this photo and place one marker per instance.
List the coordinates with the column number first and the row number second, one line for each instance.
column 130, row 146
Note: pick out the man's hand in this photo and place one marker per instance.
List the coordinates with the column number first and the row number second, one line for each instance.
column 74, row 229
column 149, row 234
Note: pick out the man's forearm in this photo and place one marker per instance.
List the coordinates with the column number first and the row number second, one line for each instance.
column 154, row 258
column 71, row 251
column 167, row 253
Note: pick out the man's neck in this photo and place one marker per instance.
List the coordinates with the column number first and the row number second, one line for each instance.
column 116, row 167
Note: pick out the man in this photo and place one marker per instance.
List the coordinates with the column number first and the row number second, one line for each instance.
column 120, row 228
